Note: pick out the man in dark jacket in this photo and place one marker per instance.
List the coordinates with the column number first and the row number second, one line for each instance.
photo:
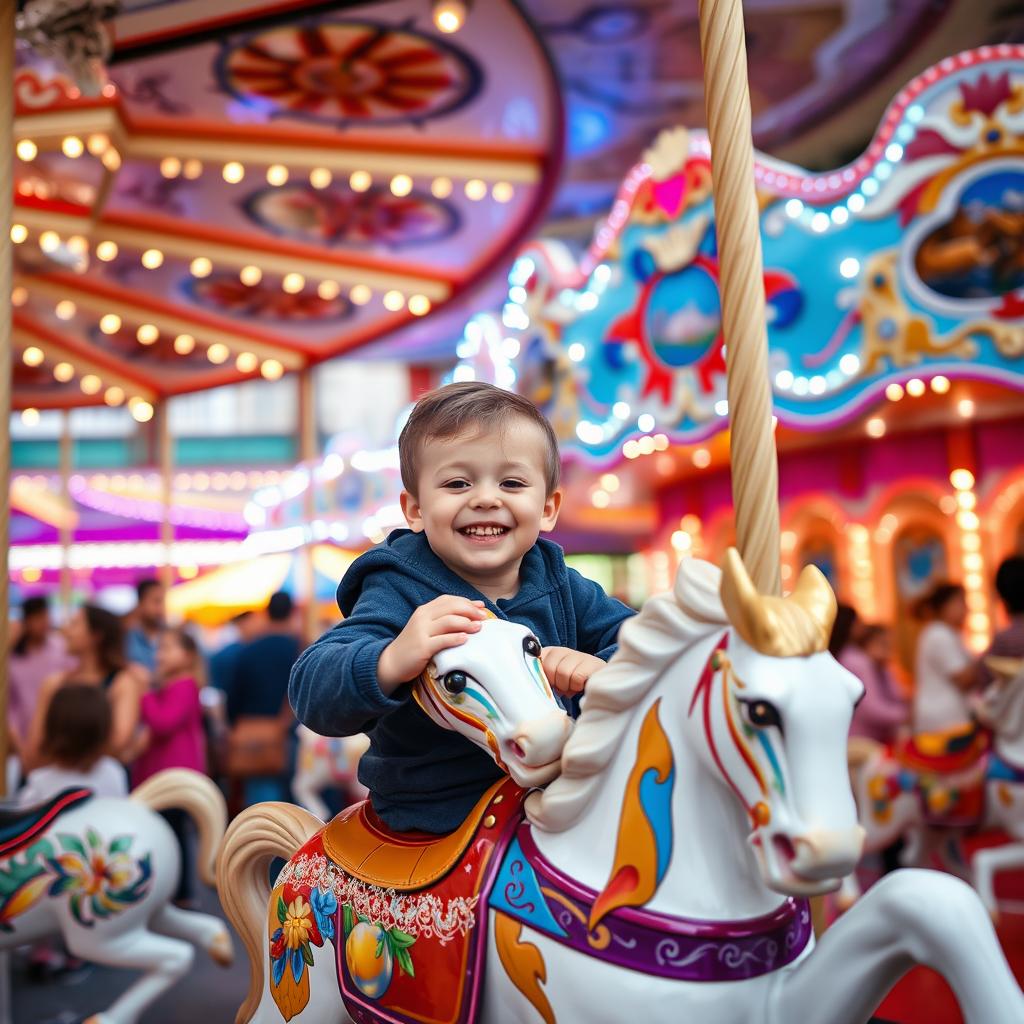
column 259, row 684
column 480, row 468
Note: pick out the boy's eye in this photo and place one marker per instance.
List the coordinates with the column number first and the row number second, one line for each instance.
column 513, row 483
column 456, row 485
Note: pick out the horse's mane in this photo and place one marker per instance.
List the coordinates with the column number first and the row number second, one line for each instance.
column 648, row 644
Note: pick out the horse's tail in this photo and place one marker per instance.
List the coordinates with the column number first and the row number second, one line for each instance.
column 257, row 836
column 196, row 795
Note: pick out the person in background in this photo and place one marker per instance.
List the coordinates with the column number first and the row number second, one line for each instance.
column 944, row 670
column 884, row 711
column 247, row 627
column 259, row 684
column 38, row 653
column 76, row 734
column 142, row 638
column 172, row 734
column 844, row 629
column 1009, row 642
column 95, row 641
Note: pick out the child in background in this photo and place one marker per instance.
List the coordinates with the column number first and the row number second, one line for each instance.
column 76, row 731
column 480, row 468
column 172, row 733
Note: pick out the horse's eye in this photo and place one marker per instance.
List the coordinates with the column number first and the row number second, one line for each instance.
column 455, row 682
column 762, row 715
column 531, row 646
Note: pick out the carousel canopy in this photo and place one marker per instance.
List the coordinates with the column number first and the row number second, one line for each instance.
column 247, row 188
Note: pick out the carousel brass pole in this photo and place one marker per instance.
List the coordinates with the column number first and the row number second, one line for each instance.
column 166, row 447
column 6, row 256
column 308, row 450
column 66, row 531
column 755, row 475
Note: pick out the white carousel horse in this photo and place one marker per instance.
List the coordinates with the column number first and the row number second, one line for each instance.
column 101, row 872
column 889, row 811
column 702, row 795
column 327, row 762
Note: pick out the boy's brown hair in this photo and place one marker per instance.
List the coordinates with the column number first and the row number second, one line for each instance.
column 77, row 726
column 455, row 408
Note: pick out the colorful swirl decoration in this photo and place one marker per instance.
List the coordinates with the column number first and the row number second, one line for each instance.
column 643, row 849
column 908, row 262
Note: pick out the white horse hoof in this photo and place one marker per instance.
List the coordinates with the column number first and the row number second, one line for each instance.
column 222, row 950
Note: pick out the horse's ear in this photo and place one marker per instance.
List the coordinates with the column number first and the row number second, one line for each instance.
column 740, row 600
column 1004, row 668
column 783, row 627
column 814, row 594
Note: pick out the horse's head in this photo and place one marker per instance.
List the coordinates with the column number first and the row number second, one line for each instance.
column 492, row 689
column 770, row 717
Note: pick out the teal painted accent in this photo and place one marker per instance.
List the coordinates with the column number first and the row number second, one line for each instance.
column 118, row 453
column 537, row 672
column 767, row 746
column 656, row 802
column 481, row 699
column 517, row 892
column 220, row 451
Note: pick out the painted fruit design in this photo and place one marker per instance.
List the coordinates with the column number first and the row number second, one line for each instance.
column 369, row 959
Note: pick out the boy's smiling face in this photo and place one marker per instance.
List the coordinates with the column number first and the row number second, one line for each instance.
column 483, row 501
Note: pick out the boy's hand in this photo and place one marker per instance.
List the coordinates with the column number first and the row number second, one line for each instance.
column 568, row 670
column 446, row 621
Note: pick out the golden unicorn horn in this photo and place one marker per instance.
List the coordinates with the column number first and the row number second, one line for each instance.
column 782, row 627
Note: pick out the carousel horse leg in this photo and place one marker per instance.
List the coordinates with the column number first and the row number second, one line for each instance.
column 909, row 917
column 307, row 786
column 986, row 863
column 849, row 892
column 164, row 961
column 204, row 930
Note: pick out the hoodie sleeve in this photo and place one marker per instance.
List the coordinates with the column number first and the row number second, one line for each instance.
column 598, row 616
column 333, row 687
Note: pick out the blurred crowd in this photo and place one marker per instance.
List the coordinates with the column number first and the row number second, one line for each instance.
column 942, row 697
column 108, row 701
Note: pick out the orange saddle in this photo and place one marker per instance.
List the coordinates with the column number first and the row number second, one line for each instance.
column 401, row 909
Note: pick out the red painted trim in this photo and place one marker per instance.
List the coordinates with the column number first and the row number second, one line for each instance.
column 52, row 206
column 327, row 139
column 68, row 800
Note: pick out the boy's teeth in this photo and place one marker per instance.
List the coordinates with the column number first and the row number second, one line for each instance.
column 484, row 531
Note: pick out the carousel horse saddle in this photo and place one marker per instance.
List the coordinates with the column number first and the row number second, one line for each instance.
column 362, row 846
column 20, row 825
column 407, row 912
column 949, row 752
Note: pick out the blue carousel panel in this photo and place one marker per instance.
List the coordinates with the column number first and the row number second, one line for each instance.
column 909, row 262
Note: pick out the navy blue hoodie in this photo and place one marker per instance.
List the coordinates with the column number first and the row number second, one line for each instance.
column 421, row 776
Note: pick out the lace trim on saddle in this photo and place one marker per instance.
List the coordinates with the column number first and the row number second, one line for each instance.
column 536, row 893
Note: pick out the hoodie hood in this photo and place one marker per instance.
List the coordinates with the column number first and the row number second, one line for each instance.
column 415, row 570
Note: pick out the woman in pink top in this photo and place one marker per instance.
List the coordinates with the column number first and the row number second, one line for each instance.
column 884, row 710
column 172, row 733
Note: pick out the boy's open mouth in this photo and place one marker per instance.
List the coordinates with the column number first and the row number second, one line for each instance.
column 483, row 533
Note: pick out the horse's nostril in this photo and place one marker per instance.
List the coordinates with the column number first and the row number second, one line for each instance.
column 518, row 750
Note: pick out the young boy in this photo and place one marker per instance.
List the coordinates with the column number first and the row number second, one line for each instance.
column 480, row 469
